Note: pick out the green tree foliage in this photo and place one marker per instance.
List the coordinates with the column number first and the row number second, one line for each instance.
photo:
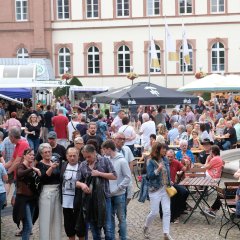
column 61, row 91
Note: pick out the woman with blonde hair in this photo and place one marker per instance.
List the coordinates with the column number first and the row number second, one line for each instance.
column 221, row 125
column 33, row 129
column 161, row 133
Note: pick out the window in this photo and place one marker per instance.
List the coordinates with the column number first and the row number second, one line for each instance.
column 21, row 10
column 93, row 60
column 63, row 9
column 123, row 59
column 185, row 6
column 122, row 8
column 64, row 60
column 22, row 53
column 92, row 8
column 153, row 7
column 183, row 66
column 217, row 6
column 218, row 57
column 152, row 70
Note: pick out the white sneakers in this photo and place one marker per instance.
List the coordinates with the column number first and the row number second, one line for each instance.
column 167, row 237
column 147, row 234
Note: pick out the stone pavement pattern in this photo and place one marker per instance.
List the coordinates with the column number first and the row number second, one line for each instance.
column 195, row 229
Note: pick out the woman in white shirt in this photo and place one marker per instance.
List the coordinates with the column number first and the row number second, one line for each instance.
column 128, row 132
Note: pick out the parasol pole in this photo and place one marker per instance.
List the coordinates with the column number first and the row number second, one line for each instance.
column 149, row 45
column 183, row 63
column 166, row 54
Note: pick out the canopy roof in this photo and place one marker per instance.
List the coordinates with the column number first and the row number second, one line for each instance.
column 144, row 93
column 213, row 83
column 10, row 99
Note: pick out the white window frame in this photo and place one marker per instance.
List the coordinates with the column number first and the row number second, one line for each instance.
column 125, row 51
column 123, row 9
column 23, row 16
column 218, row 5
column 152, row 9
column 93, row 53
column 158, row 50
column 63, row 6
column 182, row 64
column 218, row 49
column 22, row 53
column 66, row 63
column 92, row 4
column 185, row 7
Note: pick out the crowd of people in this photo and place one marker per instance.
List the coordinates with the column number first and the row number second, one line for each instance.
column 81, row 163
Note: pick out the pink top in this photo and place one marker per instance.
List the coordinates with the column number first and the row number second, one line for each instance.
column 216, row 164
column 12, row 122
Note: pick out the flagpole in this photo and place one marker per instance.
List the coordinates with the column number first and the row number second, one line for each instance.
column 183, row 70
column 166, row 60
column 149, row 44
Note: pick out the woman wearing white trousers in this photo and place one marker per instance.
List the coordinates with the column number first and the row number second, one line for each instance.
column 158, row 174
column 50, row 217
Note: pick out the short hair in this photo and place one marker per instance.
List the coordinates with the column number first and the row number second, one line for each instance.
column 60, row 110
column 109, row 144
column 95, row 143
column 83, row 119
column 100, row 116
column 42, row 146
column 121, row 110
column 15, row 132
column 181, row 127
column 156, row 149
column 215, row 150
column 116, row 135
column 48, row 107
column 171, row 151
column 125, row 120
column 72, row 149
column 202, row 127
column 145, row 116
column 74, row 133
column 74, row 116
column 13, row 115
column 92, row 123
column 153, row 136
column 78, row 139
column 89, row 148
column 183, row 142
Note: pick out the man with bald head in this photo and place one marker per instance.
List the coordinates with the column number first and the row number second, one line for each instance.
column 230, row 136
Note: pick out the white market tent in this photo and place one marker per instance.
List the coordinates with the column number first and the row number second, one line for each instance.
column 213, row 83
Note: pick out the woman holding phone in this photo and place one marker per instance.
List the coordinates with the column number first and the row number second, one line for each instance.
column 49, row 202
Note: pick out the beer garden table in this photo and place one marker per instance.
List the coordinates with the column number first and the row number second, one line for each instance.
column 200, row 184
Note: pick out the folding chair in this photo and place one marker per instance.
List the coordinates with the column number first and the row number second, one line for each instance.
column 227, row 198
column 136, row 174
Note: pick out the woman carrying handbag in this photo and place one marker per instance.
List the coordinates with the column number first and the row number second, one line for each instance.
column 158, row 174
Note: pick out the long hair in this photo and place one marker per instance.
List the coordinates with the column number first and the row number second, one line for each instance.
column 156, row 149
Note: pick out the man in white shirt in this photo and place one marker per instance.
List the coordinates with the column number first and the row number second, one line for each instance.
column 117, row 122
column 148, row 127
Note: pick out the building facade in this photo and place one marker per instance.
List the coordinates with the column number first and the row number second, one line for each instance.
column 100, row 40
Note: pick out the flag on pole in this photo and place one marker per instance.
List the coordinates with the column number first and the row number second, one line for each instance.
column 154, row 63
column 171, row 50
column 186, row 56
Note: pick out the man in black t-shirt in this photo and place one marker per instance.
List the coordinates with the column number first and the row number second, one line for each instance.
column 58, row 151
column 230, row 136
column 83, row 105
column 92, row 129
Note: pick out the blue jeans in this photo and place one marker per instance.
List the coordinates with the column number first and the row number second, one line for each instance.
column 27, row 221
column 34, row 144
column 119, row 209
column 226, row 145
column 96, row 231
column 2, row 200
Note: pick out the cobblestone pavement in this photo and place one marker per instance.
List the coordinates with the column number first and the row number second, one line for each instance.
column 195, row 229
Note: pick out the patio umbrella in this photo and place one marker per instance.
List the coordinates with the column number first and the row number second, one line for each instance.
column 144, row 93
column 210, row 83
